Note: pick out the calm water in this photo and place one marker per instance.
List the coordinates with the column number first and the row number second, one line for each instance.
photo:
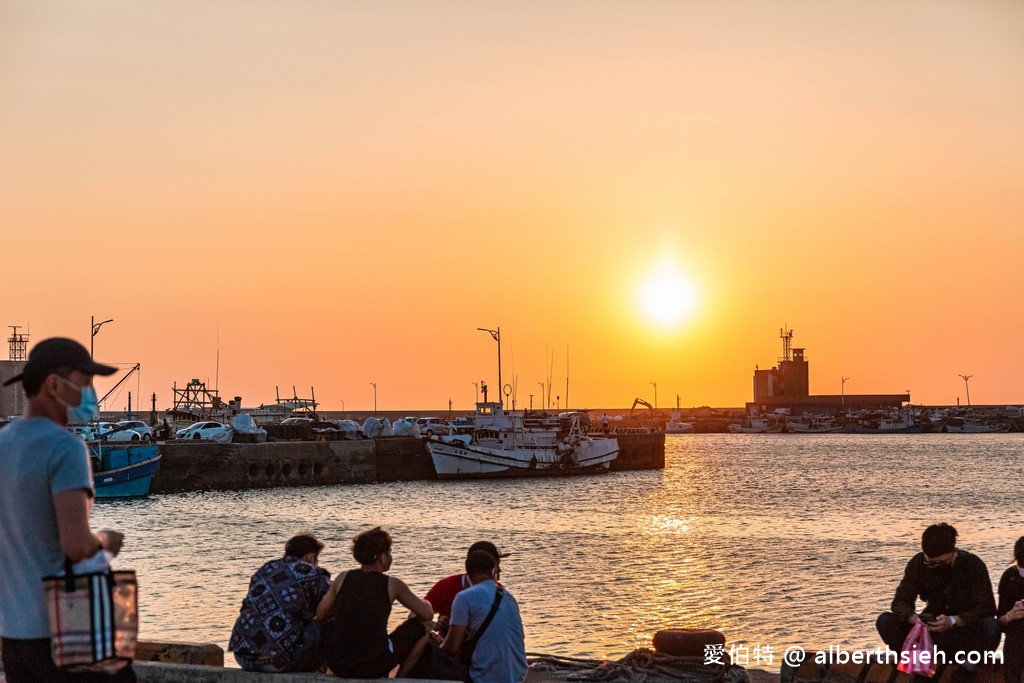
column 773, row 539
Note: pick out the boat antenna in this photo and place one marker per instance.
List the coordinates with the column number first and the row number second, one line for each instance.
column 567, row 377
column 216, row 377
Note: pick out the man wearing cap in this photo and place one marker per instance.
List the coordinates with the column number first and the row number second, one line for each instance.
column 442, row 594
column 45, row 504
column 486, row 626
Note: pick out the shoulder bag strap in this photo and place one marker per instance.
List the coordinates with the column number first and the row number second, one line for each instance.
column 498, row 595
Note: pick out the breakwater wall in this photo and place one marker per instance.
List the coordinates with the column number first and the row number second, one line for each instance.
column 203, row 465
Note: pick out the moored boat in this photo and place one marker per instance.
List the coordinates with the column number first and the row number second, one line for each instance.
column 968, row 426
column 501, row 446
column 755, row 426
column 123, row 471
column 675, row 425
column 814, row 425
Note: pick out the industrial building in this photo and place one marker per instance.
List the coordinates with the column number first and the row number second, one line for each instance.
column 786, row 387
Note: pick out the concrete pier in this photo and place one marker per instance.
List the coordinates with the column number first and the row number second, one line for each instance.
column 203, row 465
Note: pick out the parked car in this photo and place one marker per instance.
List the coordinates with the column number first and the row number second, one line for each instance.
column 429, row 426
column 137, row 426
column 297, row 421
column 114, row 431
column 211, row 431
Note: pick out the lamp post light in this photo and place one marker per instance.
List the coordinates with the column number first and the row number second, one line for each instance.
column 374, row 385
column 95, row 328
column 842, row 389
column 967, row 386
column 655, row 385
column 496, row 334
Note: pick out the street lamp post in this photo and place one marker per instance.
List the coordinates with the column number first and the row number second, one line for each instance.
column 496, row 334
column 842, row 389
column 342, row 404
column 476, row 385
column 374, row 385
column 543, row 404
column 655, row 385
column 95, row 328
column 967, row 386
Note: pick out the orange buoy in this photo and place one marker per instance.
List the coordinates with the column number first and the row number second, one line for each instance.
column 686, row 642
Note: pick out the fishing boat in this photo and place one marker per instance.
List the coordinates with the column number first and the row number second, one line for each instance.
column 902, row 423
column 958, row 425
column 675, row 425
column 123, row 471
column 500, row 445
column 814, row 425
column 755, row 425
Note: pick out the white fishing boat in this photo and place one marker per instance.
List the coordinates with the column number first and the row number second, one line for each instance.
column 815, row 424
column 969, row 426
column 755, row 425
column 502, row 446
column 675, row 425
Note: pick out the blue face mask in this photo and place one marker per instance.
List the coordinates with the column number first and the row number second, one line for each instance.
column 87, row 408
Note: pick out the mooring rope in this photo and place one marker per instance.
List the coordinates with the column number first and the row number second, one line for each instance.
column 641, row 665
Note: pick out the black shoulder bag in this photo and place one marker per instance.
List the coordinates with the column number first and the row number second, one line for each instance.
column 466, row 653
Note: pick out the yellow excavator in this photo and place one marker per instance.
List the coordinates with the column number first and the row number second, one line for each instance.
column 639, row 402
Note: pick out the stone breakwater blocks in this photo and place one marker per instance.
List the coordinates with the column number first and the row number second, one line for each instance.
column 206, row 654
column 811, row 672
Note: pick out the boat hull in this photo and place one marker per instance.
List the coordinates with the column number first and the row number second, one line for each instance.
column 124, row 471
column 455, row 460
column 908, row 429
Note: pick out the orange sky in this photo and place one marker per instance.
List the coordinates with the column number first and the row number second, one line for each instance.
column 343, row 192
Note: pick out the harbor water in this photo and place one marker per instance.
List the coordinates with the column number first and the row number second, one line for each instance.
column 776, row 540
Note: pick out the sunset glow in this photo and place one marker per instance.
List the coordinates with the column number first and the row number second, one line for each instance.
column 667, row 299
column 324, row 195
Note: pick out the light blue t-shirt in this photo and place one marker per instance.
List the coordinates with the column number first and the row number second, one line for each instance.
column 38, row 459
column 500, row 656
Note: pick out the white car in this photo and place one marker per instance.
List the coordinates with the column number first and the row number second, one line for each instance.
column 138, row 426
column 432, row 425
column 211, row 431
column 115, row 431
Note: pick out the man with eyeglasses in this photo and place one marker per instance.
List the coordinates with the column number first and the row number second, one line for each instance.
column 957, row 591
column 45, row 504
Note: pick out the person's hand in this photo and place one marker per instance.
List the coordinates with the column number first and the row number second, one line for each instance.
column 1017, row 612
column 111, row 540
column 940, row 624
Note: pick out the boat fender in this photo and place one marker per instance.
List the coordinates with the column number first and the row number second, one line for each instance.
column 686, row 642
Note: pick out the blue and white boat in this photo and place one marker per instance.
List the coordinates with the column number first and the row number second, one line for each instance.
column 123, row 471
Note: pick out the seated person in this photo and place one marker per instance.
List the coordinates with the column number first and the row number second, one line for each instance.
column 442, row 594
column 358, row 644
column 276, row 631
column 1011, row 614
column 486, row 626
column 955, row 586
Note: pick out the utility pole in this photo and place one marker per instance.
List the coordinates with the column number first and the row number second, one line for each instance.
column 968, row 388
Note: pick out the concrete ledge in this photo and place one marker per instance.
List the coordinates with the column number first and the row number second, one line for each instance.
column 160, row 672
column 810, row 672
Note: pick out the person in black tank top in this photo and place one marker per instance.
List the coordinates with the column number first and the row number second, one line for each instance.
column 357, row 606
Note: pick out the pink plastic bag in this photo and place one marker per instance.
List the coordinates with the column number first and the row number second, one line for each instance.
column 918, row 656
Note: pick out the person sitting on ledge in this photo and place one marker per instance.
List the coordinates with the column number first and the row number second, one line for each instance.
column 276, row 631
column 442, row 594
column 357, row 644
column 955, row 586
column 1011, row 615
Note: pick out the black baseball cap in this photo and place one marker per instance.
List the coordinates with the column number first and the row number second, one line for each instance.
column 488, row 548
column 56, row 353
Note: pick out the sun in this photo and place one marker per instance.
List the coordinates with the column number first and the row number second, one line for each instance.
column 667, row 298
